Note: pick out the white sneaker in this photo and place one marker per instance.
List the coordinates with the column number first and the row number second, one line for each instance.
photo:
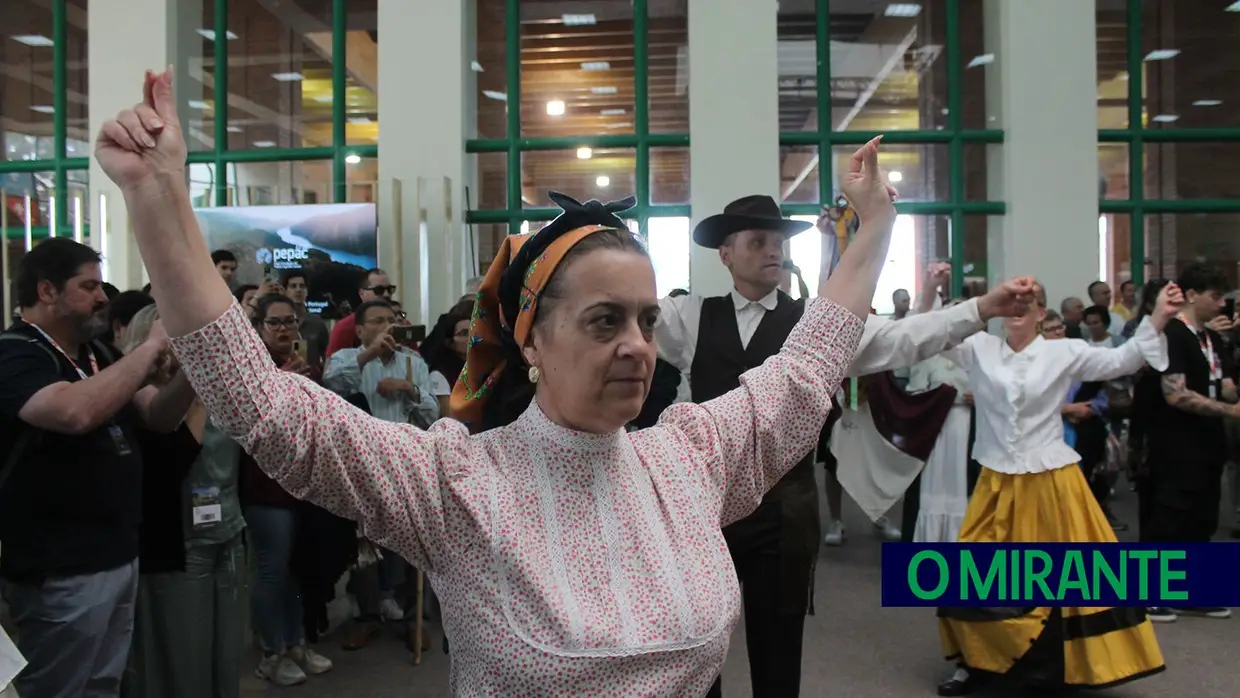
column 390, row 610
column 835, row 533
column 889, row 531
column 312, row 662
column 279, row 670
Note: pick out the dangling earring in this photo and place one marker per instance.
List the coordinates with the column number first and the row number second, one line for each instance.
column 534, row 374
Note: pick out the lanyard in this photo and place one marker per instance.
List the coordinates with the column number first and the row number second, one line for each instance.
column 1207, row 349
column 94, row 365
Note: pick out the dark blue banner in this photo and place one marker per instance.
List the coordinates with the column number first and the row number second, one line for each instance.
column 1191, row 575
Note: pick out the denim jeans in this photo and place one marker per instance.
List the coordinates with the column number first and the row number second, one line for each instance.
column 275, row 601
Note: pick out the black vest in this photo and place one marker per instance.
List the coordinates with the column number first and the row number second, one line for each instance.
column 787, row 520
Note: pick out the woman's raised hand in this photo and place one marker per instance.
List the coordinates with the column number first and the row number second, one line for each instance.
column 1170, row 302
column 866, row 185
column 145, row 141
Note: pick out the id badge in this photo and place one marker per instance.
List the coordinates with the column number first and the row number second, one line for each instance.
column 207, row 510
column 119, row 440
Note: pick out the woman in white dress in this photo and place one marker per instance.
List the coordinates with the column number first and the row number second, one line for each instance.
column 944, row 486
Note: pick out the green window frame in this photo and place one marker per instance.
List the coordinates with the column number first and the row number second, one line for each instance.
column 221, row 156
column 641, row 140
column 954, row 136
column 1136, row 136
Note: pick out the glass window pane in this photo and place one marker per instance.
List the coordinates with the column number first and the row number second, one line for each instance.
column 667, row 60
column 488, row 237
column 362, row 72
column 280, row 74
column 77, row 125
column 280, row 183
column 1114, row 248
column 26, row 98
column 1113, row 170
column 576, row 68
column 669, row 176
column 1191, row 170
column 77, row 206
column 492, row 179
column 490, row 69
column 798, row 174
column 28, row 198
column 1190, row 51
column 668, row 240
column 1112, row 42
column 1175, row 241
column 605, row 174
column 796, row 30
column 195, row 79
column 923, row 172
column 362, row 176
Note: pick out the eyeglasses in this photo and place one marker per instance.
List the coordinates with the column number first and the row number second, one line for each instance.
column 381, row 290
column 401, row 315
column 275, row 323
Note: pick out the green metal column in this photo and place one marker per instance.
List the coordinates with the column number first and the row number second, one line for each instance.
column 220, row 49
column 59, row 85
column 340, row 47
column 641, row 109
column 955, row 157
column 826, row 126
column 1136, row 148
column 512, row 63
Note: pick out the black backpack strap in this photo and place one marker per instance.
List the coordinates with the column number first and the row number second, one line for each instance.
column 28, row 433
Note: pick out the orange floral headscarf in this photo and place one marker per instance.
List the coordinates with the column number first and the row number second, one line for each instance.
column 507, row 299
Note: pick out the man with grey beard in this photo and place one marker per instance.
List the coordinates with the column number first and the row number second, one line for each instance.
column 71, row 475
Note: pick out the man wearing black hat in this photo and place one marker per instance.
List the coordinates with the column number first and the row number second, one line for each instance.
column 713, row 341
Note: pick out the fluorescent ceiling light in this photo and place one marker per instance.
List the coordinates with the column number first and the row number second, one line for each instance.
column 1234, row 7
column 895, row 176
column 603, row 181
column 596, row 65
column 578, row 20
column 623, row 124
column 37, row 40
column 903, row 9
column 984, row 59
column 323, row 99
column 476, row 67
column 353, row 158
column 612, row 112
column 1162, row 54
column 288, row 77
column 264, row 144
column 603, row 90
column 196, row 104
column 234, row 129
column 1166, row 118
column 359, row 120
column 584, row 153
column 497, row 96
column 43, row 109
column 1208, row 102
column 209, row 35
column 555, row 108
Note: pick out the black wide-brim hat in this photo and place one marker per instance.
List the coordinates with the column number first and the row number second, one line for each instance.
column 756, row 212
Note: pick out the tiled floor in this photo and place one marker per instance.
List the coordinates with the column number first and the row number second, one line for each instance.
column 854, row 648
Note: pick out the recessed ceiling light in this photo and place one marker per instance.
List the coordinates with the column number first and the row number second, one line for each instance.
column 196, row 104
column 596, row 65
column 1162, row 54
column 555, row 108
column 984, row 59
column 264, row 144
column 359, row 120
column 603, row 181
column 584, row 153
column 323, row 99
column 209, row 35
column 235, row 129
column 476, row 67
column 37, row 40
column 612, row 112
column 1234, row 7
column 578, row 20
column 623, row 124
column 353, row 158
column 609, row 90
column 497, row 96
column 1207, row 103
column 895, row 176
column 903, row 9
column 1166, row 118
column 43, row 109
column 289, row 77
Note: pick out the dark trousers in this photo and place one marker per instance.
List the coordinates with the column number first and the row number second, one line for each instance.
column 775, row 589
column 1181, row 510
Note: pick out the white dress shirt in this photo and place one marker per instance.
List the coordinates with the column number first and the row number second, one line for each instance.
column 1019, row 394
column 885, row 345
column 345, row 377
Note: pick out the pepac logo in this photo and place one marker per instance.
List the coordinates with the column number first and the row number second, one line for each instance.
column 263, row 256
column 290, row 254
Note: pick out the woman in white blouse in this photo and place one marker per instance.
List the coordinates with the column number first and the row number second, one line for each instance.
column 1028, row 493
column 574, row 558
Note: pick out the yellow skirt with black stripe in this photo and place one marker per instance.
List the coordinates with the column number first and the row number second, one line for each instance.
column 1088, row 647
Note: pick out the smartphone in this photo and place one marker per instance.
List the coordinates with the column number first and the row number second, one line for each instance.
column 302, row 349
column 1229, row 308
column 409, row 333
